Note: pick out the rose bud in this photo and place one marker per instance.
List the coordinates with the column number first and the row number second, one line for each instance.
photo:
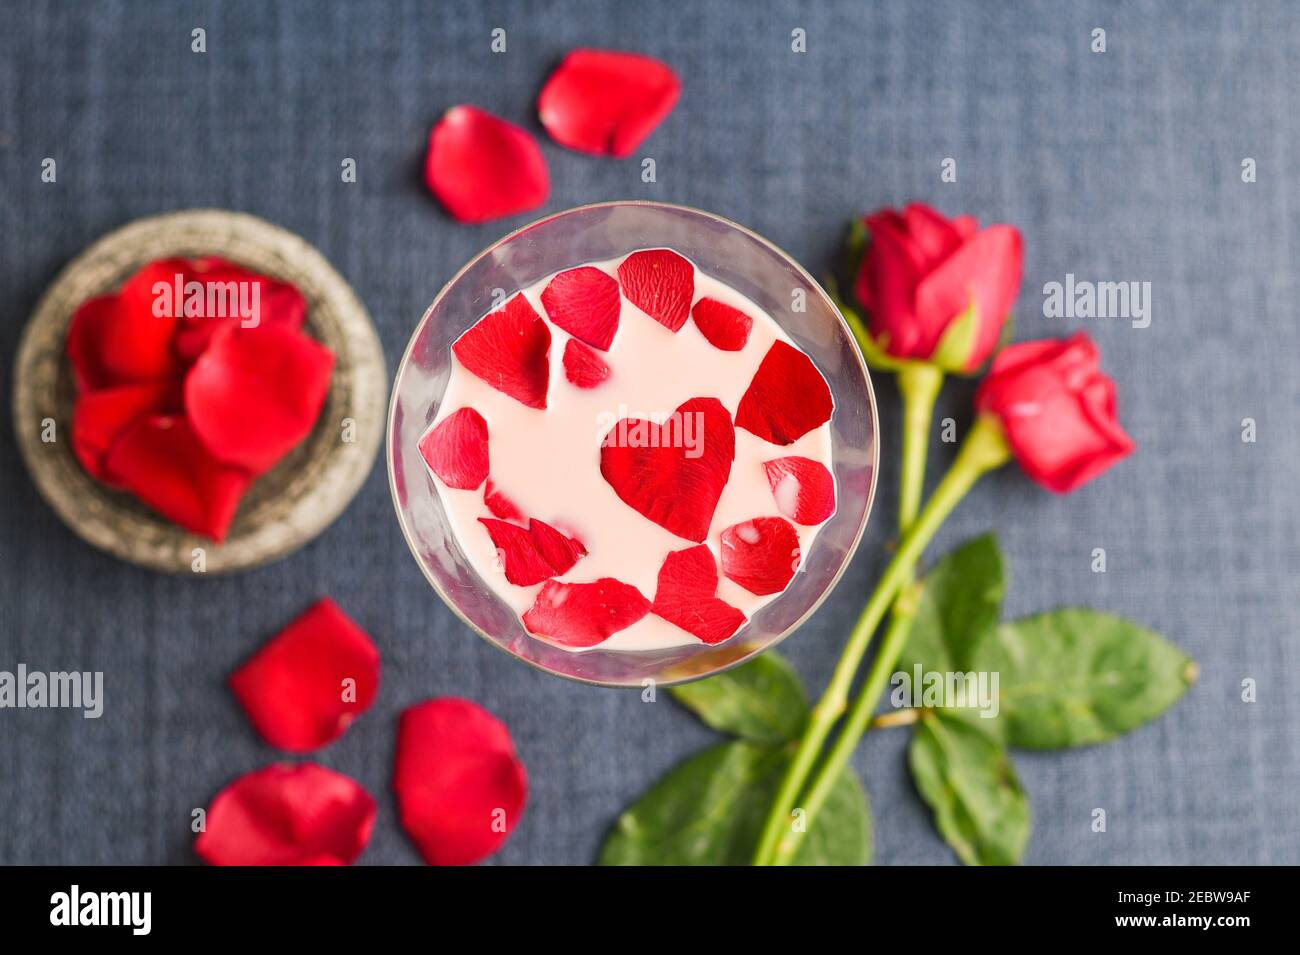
column 1056, row 409
column 938, row 290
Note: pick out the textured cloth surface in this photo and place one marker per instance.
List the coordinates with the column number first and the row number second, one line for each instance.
column 1122, row 165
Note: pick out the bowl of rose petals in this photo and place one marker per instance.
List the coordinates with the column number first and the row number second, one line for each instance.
column 632, row 442
column 199, row 392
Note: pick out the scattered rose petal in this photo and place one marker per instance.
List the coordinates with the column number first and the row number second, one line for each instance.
column 100, row 417
column 582, row 366
column 787, row 398
column 481, row 167
column 661, row 283
column 111, row 344
column 803, row 488
column 460, row 786
column 686, row 596
column 456, row 449
column 725, row 327
column 306, row 685
column 585, row 303
column 674, row 473
column 510, row 350
column 583, row 615
column 530, row 556
column 161, row 461
column 606, row 102
column 253, row 398
column 499, row 504
column 761, row 555
column 300, row 814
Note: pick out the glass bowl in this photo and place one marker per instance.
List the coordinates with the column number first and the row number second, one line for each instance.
column 728, row 252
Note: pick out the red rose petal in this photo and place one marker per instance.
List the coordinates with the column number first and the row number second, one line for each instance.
column 499, row 504
column 510, row 350
column 456, row 449
column 253, row 398
column 685, row 596
column 606, row 102
column 530, row 556
column 585, row 303
column 803, row 488
column 306, row 685
column 582, row 366
column 100, row 417
column 232, row 289
column 661, row 283
column 161, row 461
column 302, row 814
column 674, row 473
column 787, row 398
column 725, row 327
column 460, row 786
column 583, row 615
column 110, row 343
column 481, row 167
column 761, row 555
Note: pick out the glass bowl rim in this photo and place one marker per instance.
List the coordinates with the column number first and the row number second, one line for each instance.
column 761, row 240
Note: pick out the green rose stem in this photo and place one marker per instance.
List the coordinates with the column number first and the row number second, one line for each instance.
column 984, row 449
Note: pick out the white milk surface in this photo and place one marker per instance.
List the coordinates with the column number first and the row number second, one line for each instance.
column 547, row 462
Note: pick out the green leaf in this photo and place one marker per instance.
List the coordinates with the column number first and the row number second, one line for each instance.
column 762, row 701
column 710, row 810
column 959, row 604
column 1075, row 676
column 967, row 778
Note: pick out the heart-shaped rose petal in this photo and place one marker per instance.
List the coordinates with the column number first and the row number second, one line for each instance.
column 673, row 473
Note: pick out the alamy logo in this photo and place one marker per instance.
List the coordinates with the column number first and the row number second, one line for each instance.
column 75, row 907
column 677, row 430
column 1124, row 300
column 952, row 690
column 34, row 689
column 233, row 299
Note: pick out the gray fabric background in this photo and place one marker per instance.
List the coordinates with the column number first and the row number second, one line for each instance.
column 1116, row 166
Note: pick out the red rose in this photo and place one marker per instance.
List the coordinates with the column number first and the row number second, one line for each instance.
column 937, row 289
column 1057, row 410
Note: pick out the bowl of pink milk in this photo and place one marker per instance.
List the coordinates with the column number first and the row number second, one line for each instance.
column 632, row 443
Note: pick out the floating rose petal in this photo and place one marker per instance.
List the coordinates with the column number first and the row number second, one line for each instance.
column 310, row 681
column 725, row 327
column 481, row 167
column 787, row 398
column 686, row 596
column 456, row 449
column 302, row 814
column 803, row 488
column 100, row 417
column 582, row 366
column 253, row 397
column 499, row 504
column 761, row 555
column 606, row 102
column 585, row 303
column 161, row 461
column 673, row 473
column 530, row 556
column 460, row 786
column 583, row 615
column 661, row 283
column 510, row 350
